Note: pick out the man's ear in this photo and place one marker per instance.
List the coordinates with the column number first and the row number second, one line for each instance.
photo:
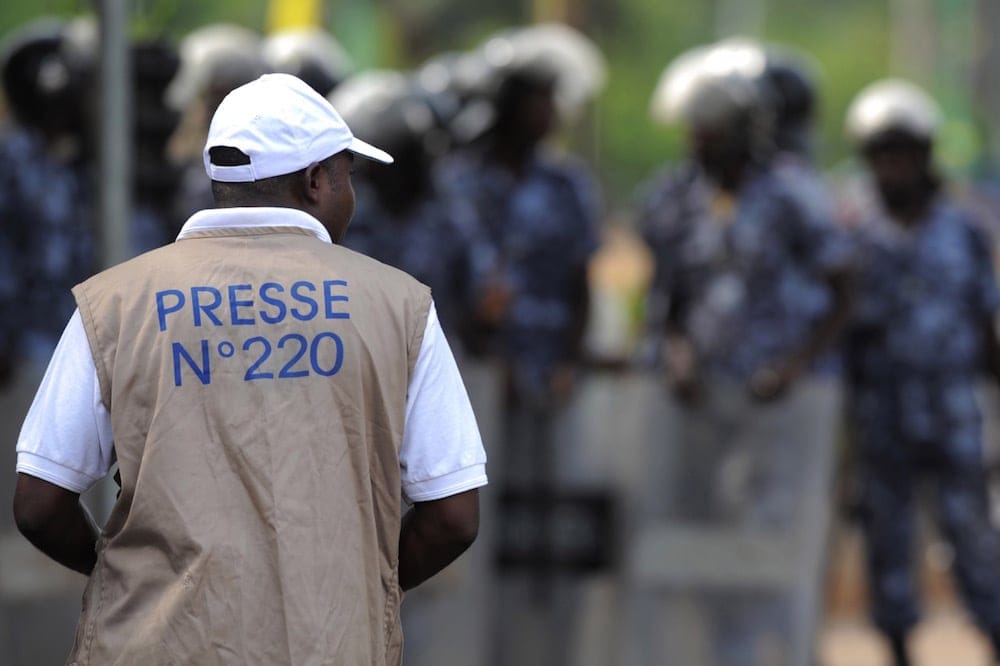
column 313, row 183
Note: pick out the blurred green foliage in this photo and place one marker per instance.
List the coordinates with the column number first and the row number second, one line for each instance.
column 848, row 38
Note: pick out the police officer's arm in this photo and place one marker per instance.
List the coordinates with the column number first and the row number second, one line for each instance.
column 771, row 381
column 682, row 365
column 829, row 327
column 563, row 379
column 825, row 250
column 56, row 522
column 581, row 310
column 841, row 286
column 663, row 223
column 991, row 344
column 992, row 348
column 434, row 533
column 984, row 297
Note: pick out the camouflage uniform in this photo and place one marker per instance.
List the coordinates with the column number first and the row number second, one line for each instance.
column 914, row 352
column 47, row 217
column 744, row 280
column 541, row 230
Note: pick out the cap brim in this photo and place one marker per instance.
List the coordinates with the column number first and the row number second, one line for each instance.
column 359, row 147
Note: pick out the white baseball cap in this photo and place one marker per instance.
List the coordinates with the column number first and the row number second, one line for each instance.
column 283, row 126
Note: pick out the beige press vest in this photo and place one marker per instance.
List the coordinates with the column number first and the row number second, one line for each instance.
column 256, row 380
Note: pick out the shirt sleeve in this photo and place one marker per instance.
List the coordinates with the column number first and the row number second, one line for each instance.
column 442, row 452
column 66, row 437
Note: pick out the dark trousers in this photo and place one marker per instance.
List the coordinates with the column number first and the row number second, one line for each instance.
column 889, row 471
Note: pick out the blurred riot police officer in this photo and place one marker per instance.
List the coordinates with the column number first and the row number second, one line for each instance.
column 921, row 333
column 749, row 292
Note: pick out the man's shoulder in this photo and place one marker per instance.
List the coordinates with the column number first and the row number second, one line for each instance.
column 949, row 207
column 373, row 277
column 386, row 274
column 960, row 221
column 349, row 261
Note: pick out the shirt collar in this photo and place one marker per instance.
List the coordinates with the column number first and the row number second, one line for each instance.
column 251, row 217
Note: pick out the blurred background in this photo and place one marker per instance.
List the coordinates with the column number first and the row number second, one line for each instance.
column 582, row 557
column 945, row 45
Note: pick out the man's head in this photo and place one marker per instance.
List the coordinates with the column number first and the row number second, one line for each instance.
column 43, row 82
column 277, row 142
column 893, row 124
column 525, row 104
column 715, row 93
column 727, row 127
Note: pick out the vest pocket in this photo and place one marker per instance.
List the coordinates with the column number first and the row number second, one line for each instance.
column 391, row 628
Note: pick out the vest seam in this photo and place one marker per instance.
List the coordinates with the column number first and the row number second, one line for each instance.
column 90, row 328
column 391, row 609
column 242, row 232
column 90, row 630
column 417, row 336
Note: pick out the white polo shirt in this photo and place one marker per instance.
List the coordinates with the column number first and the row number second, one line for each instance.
column 67, row 439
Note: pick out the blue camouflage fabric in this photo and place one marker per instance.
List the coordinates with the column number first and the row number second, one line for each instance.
column 925, row 296
column 542, row 229
column 433, row 241
column 47, row 221
column 744, row 278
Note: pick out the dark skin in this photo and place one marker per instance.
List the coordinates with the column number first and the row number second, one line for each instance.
column 722, row 155
column 323, row 189
column 432, row 533
column 992, row 342
column 527, row 121
column 55, row 521
column 904, row 176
